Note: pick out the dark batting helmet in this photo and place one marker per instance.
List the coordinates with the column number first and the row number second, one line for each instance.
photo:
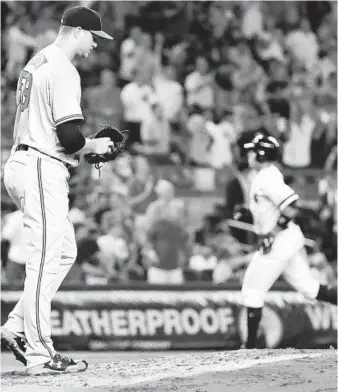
column 265, row 147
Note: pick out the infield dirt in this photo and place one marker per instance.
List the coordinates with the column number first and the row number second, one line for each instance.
column 209, row 371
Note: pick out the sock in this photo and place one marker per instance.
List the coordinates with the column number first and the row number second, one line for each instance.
column 327, row 294
column 254, row 317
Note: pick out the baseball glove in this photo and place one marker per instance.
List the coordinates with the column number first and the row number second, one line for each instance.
column 118, row 137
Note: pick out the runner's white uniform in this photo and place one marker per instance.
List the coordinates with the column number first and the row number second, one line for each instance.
column 269, row 195
column 48, row 94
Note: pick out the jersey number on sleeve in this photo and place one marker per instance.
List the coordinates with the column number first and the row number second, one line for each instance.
column 25, row 87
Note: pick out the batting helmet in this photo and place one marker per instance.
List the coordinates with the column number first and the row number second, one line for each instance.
column 265, row 147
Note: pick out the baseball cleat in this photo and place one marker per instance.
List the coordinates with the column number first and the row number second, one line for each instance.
column 16, row 344
column 59, row 364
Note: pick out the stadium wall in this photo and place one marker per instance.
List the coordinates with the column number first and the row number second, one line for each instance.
column 144, row 317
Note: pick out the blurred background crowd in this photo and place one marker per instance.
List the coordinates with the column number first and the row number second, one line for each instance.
column 192, row 81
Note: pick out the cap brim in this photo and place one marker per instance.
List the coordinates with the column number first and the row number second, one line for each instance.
column 101, row 34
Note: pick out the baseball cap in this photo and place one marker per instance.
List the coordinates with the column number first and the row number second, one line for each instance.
column 85, row 18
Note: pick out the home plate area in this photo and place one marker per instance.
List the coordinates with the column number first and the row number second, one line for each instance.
column 203, row 371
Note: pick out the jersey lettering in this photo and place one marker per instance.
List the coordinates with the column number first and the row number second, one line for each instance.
column 26, row 81
column 25, row 88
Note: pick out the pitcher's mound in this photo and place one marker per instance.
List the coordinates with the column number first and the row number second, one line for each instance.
column 213, row 371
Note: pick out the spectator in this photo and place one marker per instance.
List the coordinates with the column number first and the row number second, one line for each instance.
column 158, row 209
column 169, row 93
column 104, row 255
column 202, row 259
column 253, row 19
column 104, row 102
column 200, row 142
column 17, row 44
column 324, row 138
column 291, row 17
column 45, row 38
column 13, row 232
column 129, row 55
column 217, row 254
column 238, row 186
column 222, row 22
column 98, row 201
column 319, row 12
column 273, row 28
column 137, row 100
column 327, row 211
column 268, row 48
column 249, row 79
column 155, row 132
column 327, row 65
column 77, row 211
column 114, row 253
column 325, row 37
column 223, row 135
column 8, row 110
column 86, row 262
column 297, row 148
column 321, row 268
column 231, row 255
column 331, row 161
column 115, row 176
column 302, row 44
column 277, row 73
column 169, row 240
column 225, row 95
column 151, row 56
column 137, row 266
column 120, row 211
column 141, row 187
column 199, row 85
column 177, row 56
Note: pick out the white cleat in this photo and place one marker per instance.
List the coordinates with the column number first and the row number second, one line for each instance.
column 59, row 365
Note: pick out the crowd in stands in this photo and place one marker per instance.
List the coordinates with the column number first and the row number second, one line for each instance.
column 191, row 81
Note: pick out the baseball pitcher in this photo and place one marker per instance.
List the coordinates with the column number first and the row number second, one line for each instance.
column 47, row 142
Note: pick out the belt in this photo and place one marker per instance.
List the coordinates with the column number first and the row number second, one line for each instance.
column 25, row 147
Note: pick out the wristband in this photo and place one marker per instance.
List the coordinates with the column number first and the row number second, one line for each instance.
column 283, row 222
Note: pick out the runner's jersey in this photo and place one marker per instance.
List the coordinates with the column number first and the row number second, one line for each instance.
column 269, row 195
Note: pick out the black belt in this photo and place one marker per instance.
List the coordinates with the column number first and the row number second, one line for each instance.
column 25, row 147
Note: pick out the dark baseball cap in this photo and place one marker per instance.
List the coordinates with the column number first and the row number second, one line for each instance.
column 85, row 18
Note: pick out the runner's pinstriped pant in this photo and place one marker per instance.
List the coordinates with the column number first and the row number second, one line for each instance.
column 39, row 186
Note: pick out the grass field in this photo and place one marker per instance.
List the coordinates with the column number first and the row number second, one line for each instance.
column 205, row 371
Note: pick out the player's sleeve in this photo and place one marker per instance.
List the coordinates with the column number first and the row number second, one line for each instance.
column 281, row 194
column 65, row 98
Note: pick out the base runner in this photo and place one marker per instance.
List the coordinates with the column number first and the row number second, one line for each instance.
column 273, row 205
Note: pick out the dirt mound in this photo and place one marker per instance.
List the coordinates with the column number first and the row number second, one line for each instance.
column 213, row 371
